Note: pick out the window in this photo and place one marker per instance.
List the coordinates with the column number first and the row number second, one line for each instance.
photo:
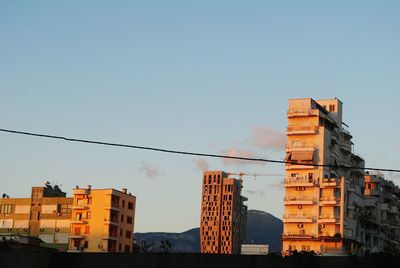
column 87, row 229
column 120, row 232
column 119, row 247
column 123, row 203
column 77, row 231
column 65, row 209
column 331, row 108
column 6, row 209
column 127, row 249
column 86, row 244
column 128, row 234
column 88, row 214
column 122, row 218
column 130, row 205
column 129, row 220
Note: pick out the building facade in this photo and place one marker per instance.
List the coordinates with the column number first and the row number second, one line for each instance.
column 223, row 214
column 45, row 215
column 322, row 203
column 102, row 220
column 381, row 216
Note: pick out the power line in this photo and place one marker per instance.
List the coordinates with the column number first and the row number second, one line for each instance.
column 191, row 153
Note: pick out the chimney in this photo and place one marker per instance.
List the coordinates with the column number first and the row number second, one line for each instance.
column 124, row 190
column 89, row 187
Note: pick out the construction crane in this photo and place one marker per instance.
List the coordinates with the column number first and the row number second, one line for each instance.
column 241, row 174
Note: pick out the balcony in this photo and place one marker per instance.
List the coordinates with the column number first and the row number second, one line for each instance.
column 345, row 146
column 113, row 222
column 110, row 236
column 299, row 112
column 373, row 192
column 78, row 221
column 298, row 218
column 335, row 137
column 328, row 219
column 295, row 200
column 79, row 207
column 351, row 188
column 370, row 202
column 394, row 224
column 80, row 191
column 76, row 236
column 300, row 130
column 394, row 210
column 329, row 200
column 300, row 146
column 384, row 207
column 331, row 182
column 299, row 181
column 112, row 206
column 298, row 235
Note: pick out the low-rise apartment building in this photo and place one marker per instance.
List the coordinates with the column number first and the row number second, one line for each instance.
column 102, row 220
column 45, row 215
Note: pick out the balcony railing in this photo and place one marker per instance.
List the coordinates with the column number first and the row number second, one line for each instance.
column 300, row 146
column 308, row 129
column 299, row 217
column 299, row 181
column 301, row 112
column 328, row 218
column 299, row 200
column 331, row 182
column 329, row 198
column 345, row 146
column 298, row 235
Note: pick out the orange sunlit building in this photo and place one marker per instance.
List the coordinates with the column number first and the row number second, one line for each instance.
column 102, row 220
column 46, row 215
column 223, row 214
column 322, row 203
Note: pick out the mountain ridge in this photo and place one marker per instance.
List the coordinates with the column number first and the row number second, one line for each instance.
column 262, row 228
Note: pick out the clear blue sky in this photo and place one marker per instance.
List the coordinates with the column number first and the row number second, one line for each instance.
column 188, row 75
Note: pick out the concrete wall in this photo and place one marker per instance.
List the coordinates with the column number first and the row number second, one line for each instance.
column 116, row 260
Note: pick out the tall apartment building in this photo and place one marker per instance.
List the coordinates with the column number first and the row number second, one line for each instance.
column 45, row 215
column 322, row 204
column 223, row 214
column 102, row 220
column 381, row 216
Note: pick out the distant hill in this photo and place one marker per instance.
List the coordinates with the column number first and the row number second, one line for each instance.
column 262, row 228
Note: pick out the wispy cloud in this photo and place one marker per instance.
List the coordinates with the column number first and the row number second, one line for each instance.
column 201, row 164
column 150, row 170
column 260, row 192
column 239, row 153
column 278, row 185
column 267, row 138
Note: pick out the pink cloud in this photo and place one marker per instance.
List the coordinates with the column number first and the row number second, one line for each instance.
column 150, row 170
column 239, row 153
column 268, row 138
column 201, row 164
